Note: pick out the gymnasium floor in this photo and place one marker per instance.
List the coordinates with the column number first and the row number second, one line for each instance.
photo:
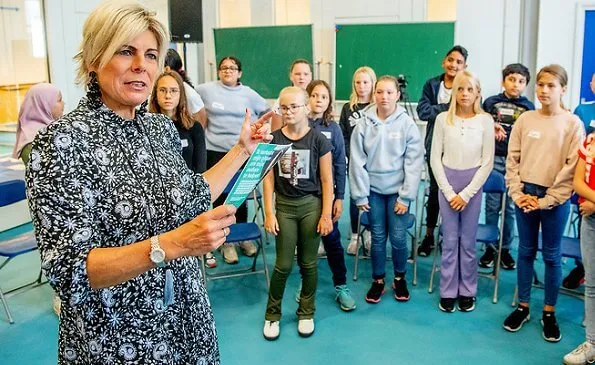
column 415, row 332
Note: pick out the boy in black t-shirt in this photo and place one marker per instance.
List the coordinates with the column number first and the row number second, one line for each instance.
column 505, row 107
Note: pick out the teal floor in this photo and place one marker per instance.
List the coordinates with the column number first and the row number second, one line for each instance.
column 415, row 332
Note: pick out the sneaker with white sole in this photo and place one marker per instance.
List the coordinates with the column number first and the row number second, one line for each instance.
column 344, row 298
column 583, row 354
column 352, row 246
column 271, row 330
column 210, row 260
column 229, row 253
column 306, row 327
column 248, row 248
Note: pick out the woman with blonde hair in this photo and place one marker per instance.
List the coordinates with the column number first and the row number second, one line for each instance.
column 462, row 158
column 119, row 218
column 362, row 94
column 542, row 156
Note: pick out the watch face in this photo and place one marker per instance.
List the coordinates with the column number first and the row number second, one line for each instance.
column 157, row 255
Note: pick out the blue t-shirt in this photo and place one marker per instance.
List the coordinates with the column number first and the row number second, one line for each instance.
column 226, row 108
column 586, row 112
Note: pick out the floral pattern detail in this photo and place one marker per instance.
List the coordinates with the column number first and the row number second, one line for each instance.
column 97, row 180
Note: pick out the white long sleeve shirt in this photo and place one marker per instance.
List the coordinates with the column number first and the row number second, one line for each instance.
column 466, row 144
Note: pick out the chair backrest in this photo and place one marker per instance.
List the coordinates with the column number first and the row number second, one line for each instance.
column 495, row 183
column 11, row 192
column 574, row 198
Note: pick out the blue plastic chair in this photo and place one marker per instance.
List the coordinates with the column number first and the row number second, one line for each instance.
column 242, row 232
column 9, row 249
column 363, row 224
column 486, row 233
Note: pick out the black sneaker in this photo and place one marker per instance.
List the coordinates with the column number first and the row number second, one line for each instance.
column 426, row 246
column 447, row 304
column 488, row 258
column 506, row 260
column 551, row 331
column 466, row 304
column 375, row 293
column 575, row 278
column 400, row 289
column 517, row 319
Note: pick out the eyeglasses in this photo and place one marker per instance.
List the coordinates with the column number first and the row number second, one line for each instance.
column 164, row 91
column 283, row 109
column 230, row 68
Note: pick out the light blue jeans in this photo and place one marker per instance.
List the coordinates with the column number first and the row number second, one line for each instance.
column 588, row 254
column 493, row 204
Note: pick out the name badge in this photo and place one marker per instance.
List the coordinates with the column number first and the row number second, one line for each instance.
column 326, row 134
column 534, row 134
column 184, row 143
column 507, row 111
column 219, row 106
column 592, row 124
column 394, row 135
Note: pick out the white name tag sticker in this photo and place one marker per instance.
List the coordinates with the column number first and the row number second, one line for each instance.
column 184, row 142
column 592, row 124
column 219, row 106
column 506, row 111
column 326, row 134
column 394, row 135
column 534, row 134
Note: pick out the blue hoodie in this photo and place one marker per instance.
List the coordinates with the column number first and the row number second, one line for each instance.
column 333, row 133
column 386, row 156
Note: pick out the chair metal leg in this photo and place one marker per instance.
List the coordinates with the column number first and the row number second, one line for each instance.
column 6, row 309
column 515, row 296
column 414, row 254
column 204, row 270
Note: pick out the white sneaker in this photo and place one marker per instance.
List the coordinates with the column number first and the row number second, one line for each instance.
column 210, row 260
column 352, row 247
column 584, row 354
column 367, row 237
column 57, row 305
column 306, row 327
column 321, row 251
column 248, row 248
column 271, row 330
column 229, row 253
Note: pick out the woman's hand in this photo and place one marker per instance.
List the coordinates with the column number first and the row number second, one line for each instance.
column 364, row 207
column 254, row 133
column 337, row 210
column 527, row 203
column 204, row 233
column 457, row 203
column 325, row 225
column 586, row 208
column 270, row 224
column 401, row 208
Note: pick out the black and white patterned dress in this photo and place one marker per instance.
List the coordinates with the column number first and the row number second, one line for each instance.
column 97, row 180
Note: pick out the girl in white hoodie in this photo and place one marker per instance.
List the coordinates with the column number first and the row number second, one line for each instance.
column 384, row 173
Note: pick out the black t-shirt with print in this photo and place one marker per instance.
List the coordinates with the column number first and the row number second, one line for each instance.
column 297, row 173
column 348, row 120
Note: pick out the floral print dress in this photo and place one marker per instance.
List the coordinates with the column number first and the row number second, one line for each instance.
column 96, row 180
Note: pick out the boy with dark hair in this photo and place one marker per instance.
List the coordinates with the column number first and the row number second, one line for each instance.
column 505, row 108
column 435, row 99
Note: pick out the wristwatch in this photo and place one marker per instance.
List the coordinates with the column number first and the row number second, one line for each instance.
column 157, row 254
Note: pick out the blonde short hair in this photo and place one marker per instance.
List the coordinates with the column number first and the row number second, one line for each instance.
column 295, row 90
column 109, row 27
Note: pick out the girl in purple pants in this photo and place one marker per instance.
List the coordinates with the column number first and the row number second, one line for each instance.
column 462, row 158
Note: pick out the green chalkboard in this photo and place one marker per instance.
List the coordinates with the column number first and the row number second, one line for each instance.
column 266, row 53
column 415, row 50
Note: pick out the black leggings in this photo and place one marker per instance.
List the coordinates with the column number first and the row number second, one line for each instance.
column 242, row 213
column 433, row 209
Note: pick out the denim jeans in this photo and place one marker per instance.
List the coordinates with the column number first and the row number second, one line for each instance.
column 385, row 223
column 335, row 255
column 552, row 223
column 493, row 204
column 588, row 255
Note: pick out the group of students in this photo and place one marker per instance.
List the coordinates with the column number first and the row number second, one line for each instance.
column 304, row 194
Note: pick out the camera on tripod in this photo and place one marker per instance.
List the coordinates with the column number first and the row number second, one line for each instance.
column 402, row 80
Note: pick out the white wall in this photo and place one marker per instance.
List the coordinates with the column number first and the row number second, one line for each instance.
column 560, row 40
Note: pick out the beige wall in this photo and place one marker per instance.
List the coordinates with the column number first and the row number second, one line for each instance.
column 442, row 10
